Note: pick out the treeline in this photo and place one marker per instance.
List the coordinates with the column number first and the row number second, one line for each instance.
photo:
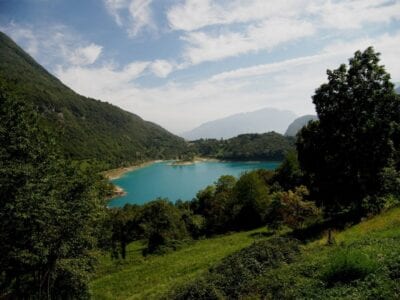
column 267, row 146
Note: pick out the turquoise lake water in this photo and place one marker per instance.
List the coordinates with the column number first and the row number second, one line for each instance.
column 177, row 182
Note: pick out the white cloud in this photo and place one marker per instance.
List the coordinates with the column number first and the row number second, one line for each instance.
column 287, row 84
column 108, row 79
column 217, row 29
column 86, row 55
column 134, row 15
column 354, row 14
column 265, row 35
column 55, row 45
column 195, row 14
column 161, row 68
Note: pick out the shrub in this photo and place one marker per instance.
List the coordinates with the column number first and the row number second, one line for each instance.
column 347, row 265
column 198, row 289
column 231, row 277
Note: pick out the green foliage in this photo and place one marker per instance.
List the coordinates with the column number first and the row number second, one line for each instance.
column 357, row 136
column 87, row 128
column 267, row 146
column 162, row 225
column 230, row 278
column 49, row 210
column 363, row 264
column 233, row 205
column 251, row 201
column 291, row 209
column 289, row 174
column 347, row 265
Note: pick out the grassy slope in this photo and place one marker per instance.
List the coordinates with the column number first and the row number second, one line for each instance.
column 378, row 238
column 149, row 278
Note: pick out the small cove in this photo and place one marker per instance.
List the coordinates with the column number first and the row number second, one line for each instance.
column 176, row 182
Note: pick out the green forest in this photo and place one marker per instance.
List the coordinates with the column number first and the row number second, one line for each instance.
column 324, row 225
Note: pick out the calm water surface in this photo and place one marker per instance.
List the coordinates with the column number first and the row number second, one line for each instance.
column 177, row 182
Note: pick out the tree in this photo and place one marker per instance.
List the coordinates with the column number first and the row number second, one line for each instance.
column 49, row 208
column 251, row 201
column 163, row 226
column 289, row 174
column 295, row 209
column 357, row 136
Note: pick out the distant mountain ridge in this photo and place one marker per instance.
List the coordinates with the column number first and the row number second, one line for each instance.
column 298, row 124
column 259, row 121
column 87, row 128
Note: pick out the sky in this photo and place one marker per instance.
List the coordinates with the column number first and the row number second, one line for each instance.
column 180, row 63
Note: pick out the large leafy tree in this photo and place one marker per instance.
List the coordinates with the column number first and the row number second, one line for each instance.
column 48, row 211
column 348, row 152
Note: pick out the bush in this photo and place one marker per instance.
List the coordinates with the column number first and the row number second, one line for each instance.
column 231, row 277
column 198, row 289
column 347, row 265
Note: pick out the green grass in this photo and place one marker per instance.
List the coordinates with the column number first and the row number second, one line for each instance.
column 151, row 277
column 371, row 249
column 364, row 263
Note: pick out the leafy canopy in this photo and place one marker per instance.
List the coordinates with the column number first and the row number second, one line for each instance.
column 356, row 138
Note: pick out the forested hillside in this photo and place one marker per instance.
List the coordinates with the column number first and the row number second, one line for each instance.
column 87, row 128
column 266, row 146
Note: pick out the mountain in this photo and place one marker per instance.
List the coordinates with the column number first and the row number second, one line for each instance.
column 87, row 128
column 259, row 121
column 398, row 90
column 297, row 124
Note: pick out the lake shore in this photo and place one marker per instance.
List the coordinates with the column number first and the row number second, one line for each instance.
column 194, row 161
column 118, row 172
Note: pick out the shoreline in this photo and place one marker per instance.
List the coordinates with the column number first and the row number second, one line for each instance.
column 193, row 162
column 119, row 172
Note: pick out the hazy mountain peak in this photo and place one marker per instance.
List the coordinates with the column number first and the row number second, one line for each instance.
column 259, row 121
column 299, row 123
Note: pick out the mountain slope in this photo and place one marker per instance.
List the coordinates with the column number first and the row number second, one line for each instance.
column 299, row 123
column 259, row 121
column 88, row 128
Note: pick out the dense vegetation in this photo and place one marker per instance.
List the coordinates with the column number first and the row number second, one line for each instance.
column 267, row 146
column 99, row 130
column 50, row 209
column 351, row 156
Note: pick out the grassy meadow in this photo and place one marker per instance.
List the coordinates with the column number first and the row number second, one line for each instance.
column 370, row 248
column 150, row 277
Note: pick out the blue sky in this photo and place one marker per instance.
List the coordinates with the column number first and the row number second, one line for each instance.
column 180, row 63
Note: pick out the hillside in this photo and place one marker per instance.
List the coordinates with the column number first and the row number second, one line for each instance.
column 259, row 121
column 152, row 277
column 87, row 128
column 266, row 146
column 299, row 123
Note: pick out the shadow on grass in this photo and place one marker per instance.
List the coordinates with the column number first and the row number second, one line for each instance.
column 261, row 234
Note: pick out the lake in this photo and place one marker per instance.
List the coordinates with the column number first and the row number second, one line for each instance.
column 177, row 182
